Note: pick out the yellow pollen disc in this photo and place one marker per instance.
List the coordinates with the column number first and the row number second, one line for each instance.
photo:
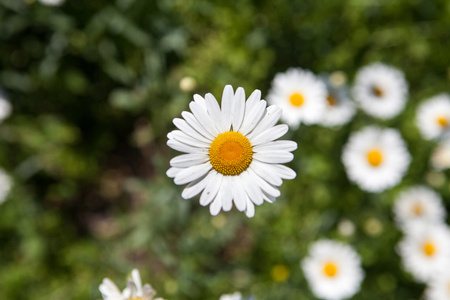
column 136, row 298
column 374, row 157
column 417, row 209
column 330, row 269
column 230, row 153
column 442, row 121
column 377, row 91
column 296, row 99
column 331, row 100
column 429, row 249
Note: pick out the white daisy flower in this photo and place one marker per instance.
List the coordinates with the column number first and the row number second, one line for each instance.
column 333, row 270
column 5, row 107
column 439, row 286
column 418, row 203
column 133, row 291
column 440, row 158
column 433, row 116
column 340, row 109
column 231, row 152
column 425, row 249
column 300, row 94
column 235, row 296
column 380, row 90
column 375, row 159
column 5, row 185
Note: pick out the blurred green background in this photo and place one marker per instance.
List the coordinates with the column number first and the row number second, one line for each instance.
column 94, row 87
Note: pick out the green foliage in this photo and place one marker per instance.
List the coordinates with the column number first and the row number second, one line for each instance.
column 94, row 87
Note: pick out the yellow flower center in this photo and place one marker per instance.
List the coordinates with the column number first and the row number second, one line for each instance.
column 230, row 153
column 429, row 249
column 136, row 298
column 417, row 209
column 374, row 157
column 331, row 100
column 377, row 91
column 296, row 99
column 442, row 121
column 330, row 269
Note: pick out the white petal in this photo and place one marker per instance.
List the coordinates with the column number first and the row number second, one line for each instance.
column 238, row 108
column 265, row 187
column 250, row 210
column 252, row 189
column 273, row 157
column 211, row 189
column 109, row 289
column 266, row 172
column 273, row 114
column 227, row 107
column 215, row 207
column 276, row 145
column 270, row 135
column 137, row 279
column 239, row 195
column 269, row 198
column 203, row 118
column 214, row 111
column 188, row 160
column 200, row 101
column 285, row 172
column 172, row 172
column 252, row 117
column 179, row 146
column 227, row 195
column 186, row 128
column 192, row 173
column 186, row 139
column 195, row 187
column 194, row 123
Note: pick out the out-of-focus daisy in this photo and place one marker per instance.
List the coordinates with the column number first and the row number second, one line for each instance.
column 333, row 270
column 381, row 90
column 440, row 158
column 439, row 286
column 5, row 107
column 231, row 152
column 340, row 109
column 235, row 296
column 133, row 291
column 425, row 249
column 5, row 185
column 300, row 94
column 433, row 116
column 419, row 203
column 375, row 159
column 52, row 2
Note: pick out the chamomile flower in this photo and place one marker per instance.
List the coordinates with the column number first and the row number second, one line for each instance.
column 300, row 94
column 380, row 90
column 340, row 109
column 433, row 116
column 425, row 249
column 133, row 291
column 418, row 203
column 5, row 185
column 439, row 286
column 235, row 296
column 333, row 270
column 231, row 152
column 375, row 159
column 440, row 158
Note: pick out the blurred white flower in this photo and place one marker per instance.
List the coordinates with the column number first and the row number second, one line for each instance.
column 433, row 116
column 333, row 270
column 133, row 291
column 5, row 107
column 232, row 155
column 52, row 2
column 340, row 109
column 438, row 287
column 300, row 94
column 376, row 159
column 418, row 203
column 235, row 296
column 425, row 249
column 5, row 185
column 381, row 90
column 440, row 158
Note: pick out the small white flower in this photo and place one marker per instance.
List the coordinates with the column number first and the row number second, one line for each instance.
column 133, row 291
column 439, row 286
column 235, row 296
column 440, row 158
column 5, row 185
column 231, row 152
column 333, row 270
column 375, row 159
column 418, row 203
column 300, row 94
column 425, row 249
column 433, row 116
column 52, row 2
column 5, row 107
column 340, row 109
column 381, row 90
